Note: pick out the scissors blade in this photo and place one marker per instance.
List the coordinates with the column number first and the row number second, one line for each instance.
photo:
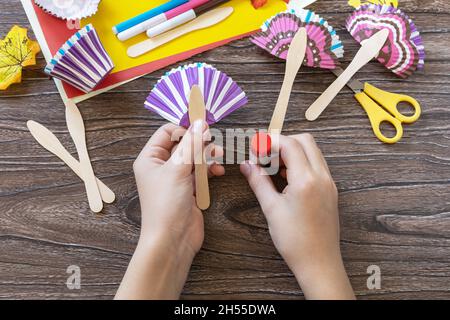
column 356, row 85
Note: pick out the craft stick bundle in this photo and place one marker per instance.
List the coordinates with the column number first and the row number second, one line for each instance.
column 50, row 142
column 97, row 192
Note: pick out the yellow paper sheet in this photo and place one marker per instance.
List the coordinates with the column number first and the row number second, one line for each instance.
column 243, row 20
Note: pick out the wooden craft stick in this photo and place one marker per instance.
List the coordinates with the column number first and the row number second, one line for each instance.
column 51, row 143
column 369, row 50
column 206, row 20
column 295, row 58
column 197, row 111
column 77, row 132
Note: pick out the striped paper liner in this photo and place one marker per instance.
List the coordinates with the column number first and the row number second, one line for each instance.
column 170, row 96
column 337, row 47
column 404, row 51
column 324, row 46
column 82, row 61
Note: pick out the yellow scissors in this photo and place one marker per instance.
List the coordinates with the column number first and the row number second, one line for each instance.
column 381, row 106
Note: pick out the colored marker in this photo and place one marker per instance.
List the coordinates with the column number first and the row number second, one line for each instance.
column 144, row 26
column 183, row 18
column 147, row 15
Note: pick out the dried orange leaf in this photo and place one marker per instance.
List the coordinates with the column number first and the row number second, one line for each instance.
column 16, row 52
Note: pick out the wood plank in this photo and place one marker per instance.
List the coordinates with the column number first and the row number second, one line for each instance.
column 393, row 199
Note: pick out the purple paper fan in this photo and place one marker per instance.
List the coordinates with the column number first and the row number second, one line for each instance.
column 404, row 52
column 170, row 96
column 82, row 61
column 280, row 30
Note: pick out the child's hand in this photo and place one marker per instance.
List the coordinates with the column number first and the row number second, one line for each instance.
column 165, row 181
column 172, row 225
column 304, row 219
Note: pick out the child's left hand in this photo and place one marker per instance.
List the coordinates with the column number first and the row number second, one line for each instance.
column 172, row 228
column 165, row 182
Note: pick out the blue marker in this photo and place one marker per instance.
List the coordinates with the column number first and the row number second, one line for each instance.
column 147, row 15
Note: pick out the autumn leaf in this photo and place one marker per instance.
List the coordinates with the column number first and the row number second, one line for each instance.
column 16, row 52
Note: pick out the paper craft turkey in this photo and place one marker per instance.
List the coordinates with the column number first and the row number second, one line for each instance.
column 404, row 51
column 324, row 46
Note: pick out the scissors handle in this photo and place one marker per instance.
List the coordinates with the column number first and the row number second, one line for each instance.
column 390, row 102
column 377, row 115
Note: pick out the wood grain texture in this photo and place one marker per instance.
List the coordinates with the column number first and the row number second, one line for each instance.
column 394, row 200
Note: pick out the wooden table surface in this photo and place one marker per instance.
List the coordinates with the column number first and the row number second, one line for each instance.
column 394, row 199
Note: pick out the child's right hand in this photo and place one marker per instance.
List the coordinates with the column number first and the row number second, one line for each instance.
column 304, row 219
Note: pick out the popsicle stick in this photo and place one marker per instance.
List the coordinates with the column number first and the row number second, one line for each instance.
column 369, row 50
column 206, row 20
column 77, row 132
column 51, row 143
column 197, row 111
column 295, row 58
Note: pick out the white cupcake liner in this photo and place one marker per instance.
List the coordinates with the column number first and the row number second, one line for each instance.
column 69, row 9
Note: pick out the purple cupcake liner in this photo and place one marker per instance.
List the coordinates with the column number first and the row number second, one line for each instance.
column 82, row 61
column 170, row 96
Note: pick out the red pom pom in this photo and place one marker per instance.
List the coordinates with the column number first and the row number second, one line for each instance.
column 261, row 144
column 258, row 3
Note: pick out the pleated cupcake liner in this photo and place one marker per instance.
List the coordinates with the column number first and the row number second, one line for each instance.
column 82, row 61
column 170, row 96
column 278, row 32
column 404, row 51
column 69, row 10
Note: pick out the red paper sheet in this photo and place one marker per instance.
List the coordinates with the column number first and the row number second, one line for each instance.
column 56, row 33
